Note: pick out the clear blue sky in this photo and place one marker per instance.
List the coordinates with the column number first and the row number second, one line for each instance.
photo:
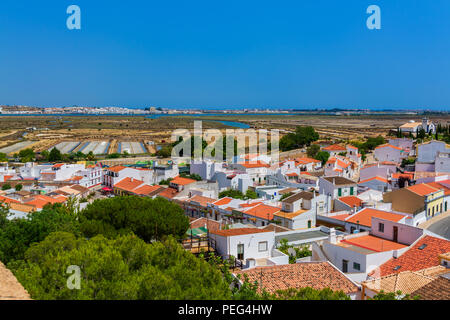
column 226, row 54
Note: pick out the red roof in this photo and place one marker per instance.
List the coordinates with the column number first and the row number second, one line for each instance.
column 422, row 189
column 352, row 201
column 292, row 174
column 116, row 168
column 374, row 243
column 128, row 184
column 223, row 201
column 254, row 164
column 416, row 259
column 58, row 165
column 8, row 200
column 182, row 181
column 403, row 175
column 6, row 178
column 238, row 232
column 40, row 201
column 374, row 178
column 387, row 145
column 248, row 205
column 168, row 193
column 365, row 216
column 262, row 211
column 203, row 201
column 335, row 147
column 146, row 189
column 438, row 185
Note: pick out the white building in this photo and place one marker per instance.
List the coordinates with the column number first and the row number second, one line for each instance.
column 252, row 246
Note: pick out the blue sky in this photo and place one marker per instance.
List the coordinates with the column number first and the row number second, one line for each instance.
column 230, row 53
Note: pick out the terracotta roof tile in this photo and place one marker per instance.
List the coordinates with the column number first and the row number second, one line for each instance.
column 317, row 275
column 374, row 243
column 182, row 181
column 365, row 216
column 352, row 201
column 416, row 259
column 238, row 232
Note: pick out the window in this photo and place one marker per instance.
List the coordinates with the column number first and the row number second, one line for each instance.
column 356, row 266
column 339, row 192
column 351, row 191
column 381, row 227
column 262, row 246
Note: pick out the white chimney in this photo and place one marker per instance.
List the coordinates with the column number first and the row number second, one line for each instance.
column 333, row 235
column 395, row 254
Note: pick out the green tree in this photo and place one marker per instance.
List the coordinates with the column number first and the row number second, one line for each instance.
column 322, row 156
column 313, row 150
column 18, row 187
column 122, row 268
column 17, row 235
column 27, row 155
column 303, row 135
column 150, row 219
column 236, row 194
column 250, row 194
column 54, row 155
column 6, row 186
column 3, row 157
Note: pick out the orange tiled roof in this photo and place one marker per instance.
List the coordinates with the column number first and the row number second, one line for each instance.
column 262, row 211
column 203, row 201
column 58, row 165
column 415, row 259
column 403, row 175
column 238, row 232
column 437, row 185
column 116, row 168
column 375, row 178
column 128, row 184
column 182, row 181
column 305, row 160
column 40, row 201
column 248, row 205
column 254, row 164
column 292, row 174
column 335, row 147
column 365, row 216
column 211, row 225
column 352, row 201
column 146, row 189
column 387, row 145
column 223, row 201
column 317, row 275
column 168, row 193
column 422, row 189
column 374, row 243
column 6, row 178
column 8, row 200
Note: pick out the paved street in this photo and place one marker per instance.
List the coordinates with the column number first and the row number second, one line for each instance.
column 441, row 227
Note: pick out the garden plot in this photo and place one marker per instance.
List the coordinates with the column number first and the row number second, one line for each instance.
column 66, row 146
column 131, row 147
column 16, row 147
column 97, row 147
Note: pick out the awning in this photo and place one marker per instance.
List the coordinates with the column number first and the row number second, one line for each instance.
column 107, row 189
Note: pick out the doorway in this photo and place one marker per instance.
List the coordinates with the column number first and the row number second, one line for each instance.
column 395, row 237
column 240, row 251
column 345, row 266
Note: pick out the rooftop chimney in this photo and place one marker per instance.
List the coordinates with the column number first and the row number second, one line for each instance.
column 333, row 235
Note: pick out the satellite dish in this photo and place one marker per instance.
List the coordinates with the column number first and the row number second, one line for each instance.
column 292, row 252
